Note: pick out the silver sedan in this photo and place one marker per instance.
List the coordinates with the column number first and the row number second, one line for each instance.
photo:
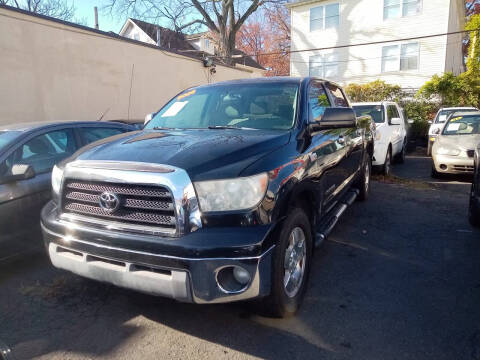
column 454, row 149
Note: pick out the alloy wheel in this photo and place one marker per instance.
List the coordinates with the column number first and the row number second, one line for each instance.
column 294, row 262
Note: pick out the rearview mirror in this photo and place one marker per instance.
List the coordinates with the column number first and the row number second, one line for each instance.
column 395, row 121
column 334, row 118
column 148, row 117
column 18, row 172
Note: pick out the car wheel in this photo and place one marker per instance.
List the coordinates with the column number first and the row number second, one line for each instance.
column 434, row 173
column 387, row 166
column 403, row 154
column 291, row 266
column 429, row 148
column 473, row 211
column 365, row 176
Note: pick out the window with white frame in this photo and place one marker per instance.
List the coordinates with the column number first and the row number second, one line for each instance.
column 400, row 57
column 323, row 66
column 399, row 8
column 325, row 17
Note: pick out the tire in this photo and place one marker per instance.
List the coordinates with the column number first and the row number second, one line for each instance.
column 364, row 181
column 387, row 166
column 285, row 298
column 434, row 173
column 400, row 158
column 429, row 148
column 473, row 212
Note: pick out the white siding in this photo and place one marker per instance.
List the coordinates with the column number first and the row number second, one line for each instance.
column 362, row 21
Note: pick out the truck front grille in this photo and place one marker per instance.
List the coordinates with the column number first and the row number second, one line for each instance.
column 137, row 204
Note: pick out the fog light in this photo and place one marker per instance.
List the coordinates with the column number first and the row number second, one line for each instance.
column 241, row 275
column 443, row 167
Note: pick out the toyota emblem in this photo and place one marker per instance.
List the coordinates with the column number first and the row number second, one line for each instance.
column 109, row 201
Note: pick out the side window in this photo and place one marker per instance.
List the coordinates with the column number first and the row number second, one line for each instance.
column 392, row 112
column 317, row 102
column 337, row 95
column 91, row 134
column 43, row 151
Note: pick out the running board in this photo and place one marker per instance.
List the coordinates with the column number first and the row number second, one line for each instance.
column 325, row 227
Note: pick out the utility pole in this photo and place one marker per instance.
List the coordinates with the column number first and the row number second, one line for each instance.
column 95, row 10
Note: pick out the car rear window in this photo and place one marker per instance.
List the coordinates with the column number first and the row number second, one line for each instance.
column 375, row 111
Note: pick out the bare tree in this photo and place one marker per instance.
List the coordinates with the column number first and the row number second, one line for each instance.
column 223, row 18
column 60, row 9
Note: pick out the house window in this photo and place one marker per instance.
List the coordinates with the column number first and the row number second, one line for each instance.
column 398, row 8
column 400, row 57
column 325, row 17
column 207, row 43
column 324, row 66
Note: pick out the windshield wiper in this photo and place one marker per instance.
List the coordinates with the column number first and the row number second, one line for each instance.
column 162, row 128
column 229, row 127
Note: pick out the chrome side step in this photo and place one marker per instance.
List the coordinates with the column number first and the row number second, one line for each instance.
column 326, row 226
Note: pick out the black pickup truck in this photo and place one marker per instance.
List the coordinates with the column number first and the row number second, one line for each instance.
column 223, row 195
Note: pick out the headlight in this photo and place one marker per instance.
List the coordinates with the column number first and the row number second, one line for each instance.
column 378, row 135
column 57, row 176
column 448, row 151
column 231, row 194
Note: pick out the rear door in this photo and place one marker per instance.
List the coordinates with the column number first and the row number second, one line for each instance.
column 353, row 137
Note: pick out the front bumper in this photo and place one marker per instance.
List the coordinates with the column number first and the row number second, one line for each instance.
column 182, row 268
column 453, row 164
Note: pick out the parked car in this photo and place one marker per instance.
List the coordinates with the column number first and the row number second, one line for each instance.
column 474, row 207
column 135, row 123
column 27, row 155
column 454, row 148
column 391, row 132
column 440, row 119
column 220, row 198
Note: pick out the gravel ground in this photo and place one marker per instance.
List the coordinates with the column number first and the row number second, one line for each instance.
column 399, row 278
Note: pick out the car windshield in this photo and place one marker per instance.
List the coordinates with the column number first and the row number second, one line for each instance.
column 375, row 111
column 442, row 115
column 256, row 106
column 7, row 137
column 462, row 125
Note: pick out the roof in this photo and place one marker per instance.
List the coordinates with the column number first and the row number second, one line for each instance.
column 469, row 113
column 175, row 40
column 458, row 108
column 373, row 103
column 28, row 126
column 262, row 80
column 292, row 4
column 168, row 38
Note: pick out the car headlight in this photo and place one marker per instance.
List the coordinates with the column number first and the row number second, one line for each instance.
column 448, row 151
column 57, row 176
column 231, row 194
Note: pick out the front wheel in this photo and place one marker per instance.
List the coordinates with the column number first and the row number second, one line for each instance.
column 387, row 166
column 403, row 154
column 291, row 265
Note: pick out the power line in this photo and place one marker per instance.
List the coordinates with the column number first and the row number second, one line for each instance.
column 359, row 44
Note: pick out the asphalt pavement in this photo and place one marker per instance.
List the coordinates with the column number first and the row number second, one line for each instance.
column 399, row 278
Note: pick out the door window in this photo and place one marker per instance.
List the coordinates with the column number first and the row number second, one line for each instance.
column 317, row 102
column 43, row 151
column 91, row 134
column 337, row 95
column 392, row 112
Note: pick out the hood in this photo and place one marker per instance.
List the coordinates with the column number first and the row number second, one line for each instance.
column 464, row 142
column 204, row 154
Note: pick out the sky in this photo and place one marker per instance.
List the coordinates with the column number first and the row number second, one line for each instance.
column 105, row 20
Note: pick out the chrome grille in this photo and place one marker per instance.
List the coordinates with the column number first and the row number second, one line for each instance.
column 139, row 204
column 465, row 168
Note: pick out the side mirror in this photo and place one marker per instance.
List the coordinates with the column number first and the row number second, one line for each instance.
column 148, row 117
column 18, row 172
column 430, row 122
column 410, row 121
column 395, row 121
column 334, row 118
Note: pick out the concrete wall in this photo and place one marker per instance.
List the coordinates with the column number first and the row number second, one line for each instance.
column 362, row 21
column 53, row 71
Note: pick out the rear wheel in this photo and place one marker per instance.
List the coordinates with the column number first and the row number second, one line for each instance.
column 473, row 211
column 364, row 183
column 291, row 265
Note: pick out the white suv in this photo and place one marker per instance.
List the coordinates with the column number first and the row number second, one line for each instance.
column 391, row 132
column 436, row 125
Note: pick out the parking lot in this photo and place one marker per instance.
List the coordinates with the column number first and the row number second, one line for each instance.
column 398, row 279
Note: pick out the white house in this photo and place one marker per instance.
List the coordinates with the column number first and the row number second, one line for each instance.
column 335, row 23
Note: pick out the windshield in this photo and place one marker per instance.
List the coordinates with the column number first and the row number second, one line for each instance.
column 375, row 111
column 462, row 125
column 442, row 115
column 7, row 137
column 257, row 106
